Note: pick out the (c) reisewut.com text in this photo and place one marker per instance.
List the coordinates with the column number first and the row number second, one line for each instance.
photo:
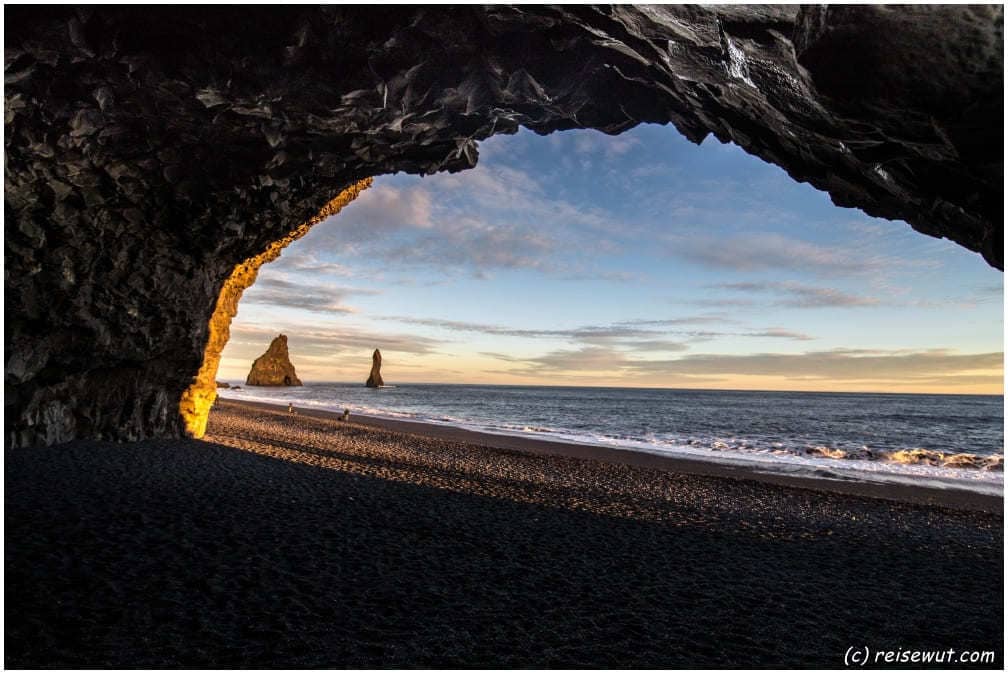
column 863, row 656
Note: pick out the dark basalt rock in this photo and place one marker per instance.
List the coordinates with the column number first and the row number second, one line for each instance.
column 149, row 150
column 374, row 379
column 274, row 367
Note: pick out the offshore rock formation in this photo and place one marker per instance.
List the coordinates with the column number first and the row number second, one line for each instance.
column 151, row 151
column 274, row 367
column 374, row 379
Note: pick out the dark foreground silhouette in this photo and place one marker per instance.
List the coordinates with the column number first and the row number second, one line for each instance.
column 196, row 554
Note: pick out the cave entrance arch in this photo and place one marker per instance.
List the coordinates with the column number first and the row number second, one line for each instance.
column 198, row 398
column 150, row 151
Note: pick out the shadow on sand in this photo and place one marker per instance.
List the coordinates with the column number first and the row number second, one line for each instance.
column 192, row 554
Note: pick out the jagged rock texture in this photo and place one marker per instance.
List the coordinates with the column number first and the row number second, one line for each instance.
column 149, row 150
column 374, row 379
column 273, row 368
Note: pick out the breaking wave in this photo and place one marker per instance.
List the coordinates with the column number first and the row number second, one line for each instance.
column 916, row 456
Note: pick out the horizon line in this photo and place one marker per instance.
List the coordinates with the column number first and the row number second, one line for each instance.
column 646, row 388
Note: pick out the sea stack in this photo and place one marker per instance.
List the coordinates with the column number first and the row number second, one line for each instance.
column 375, row 380
column 273, row 368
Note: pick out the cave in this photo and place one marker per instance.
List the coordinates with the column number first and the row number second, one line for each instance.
column 158, row 156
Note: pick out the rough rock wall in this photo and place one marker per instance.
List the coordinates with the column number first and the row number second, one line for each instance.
column 149, row 150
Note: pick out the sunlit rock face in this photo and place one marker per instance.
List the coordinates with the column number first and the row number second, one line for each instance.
column 273, row 368
column 151, row 150
column 374, row 379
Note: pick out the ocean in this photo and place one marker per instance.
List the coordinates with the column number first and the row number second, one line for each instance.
column 945, row 440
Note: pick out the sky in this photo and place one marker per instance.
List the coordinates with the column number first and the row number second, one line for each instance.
column 642, row 260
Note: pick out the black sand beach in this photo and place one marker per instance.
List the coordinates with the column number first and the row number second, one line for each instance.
column 299, row 541
column 824, row 480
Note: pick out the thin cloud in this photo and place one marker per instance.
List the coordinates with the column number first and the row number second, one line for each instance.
column 308, row 263
column 770, row 333
column 723, row 302
column 584, row 332
column 589, row 358
column 603, row 146
column 769, row 251
column 935, row 366
column 596, row 275
column 894, row 366
column 379, row 211
column 506, row 357
column 682, row 320
column 622, row 330
column 646, row 345
column 476, row 246
column 309, row 297
column 797, row 295
column 328, row 342
column 477, row 221
column 781, row 333
column 633, row 335
column 650, row 171
column 465, row 326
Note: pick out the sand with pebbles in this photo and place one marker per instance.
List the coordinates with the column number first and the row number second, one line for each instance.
column 287, row 541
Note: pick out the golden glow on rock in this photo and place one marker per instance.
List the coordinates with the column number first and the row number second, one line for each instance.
column 194, row 407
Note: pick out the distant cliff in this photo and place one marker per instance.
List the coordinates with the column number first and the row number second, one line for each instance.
column 273, row 368
column 374, row 380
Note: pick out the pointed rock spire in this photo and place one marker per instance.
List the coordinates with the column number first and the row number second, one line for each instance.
column 375, row 380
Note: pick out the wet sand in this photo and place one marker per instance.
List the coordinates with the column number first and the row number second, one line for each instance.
column 299, row 541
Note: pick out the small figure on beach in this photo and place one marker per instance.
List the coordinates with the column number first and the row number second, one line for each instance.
column 290, row 408
column 345, row 416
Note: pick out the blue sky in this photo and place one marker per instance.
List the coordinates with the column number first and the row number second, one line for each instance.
column 635, row 260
